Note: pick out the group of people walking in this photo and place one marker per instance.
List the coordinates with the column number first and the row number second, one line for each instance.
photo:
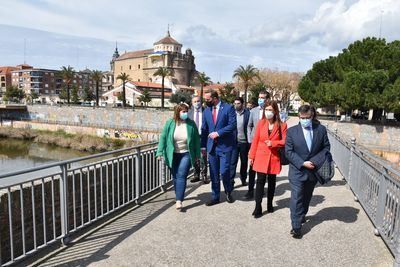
column 217, row 135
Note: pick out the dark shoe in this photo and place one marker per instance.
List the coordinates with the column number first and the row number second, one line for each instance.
column 244, row 183
column 303, row 220
column 195, row 180
column 296, row 233
column 257, row 213
column 249, row 195
column 212, row 202
column 229, row 198
column 206, row 181
column 270, row 209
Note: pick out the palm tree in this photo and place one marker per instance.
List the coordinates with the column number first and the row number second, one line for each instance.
column 246, row 74
column 204, row 80
column 97, row 76
column 124, row 78
column 163, row 72
column 67, row 74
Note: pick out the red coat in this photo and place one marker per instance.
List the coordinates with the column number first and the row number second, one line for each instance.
column 266, row 159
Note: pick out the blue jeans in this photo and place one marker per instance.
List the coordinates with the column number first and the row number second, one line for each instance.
column 180, row 169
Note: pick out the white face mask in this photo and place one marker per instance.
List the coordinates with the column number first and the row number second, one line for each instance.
column 269, row 114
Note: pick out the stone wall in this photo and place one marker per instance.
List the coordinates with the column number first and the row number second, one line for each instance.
column 371, row 136
column 140, row 119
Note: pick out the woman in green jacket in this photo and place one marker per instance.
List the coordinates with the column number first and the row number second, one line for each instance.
column 179, row 145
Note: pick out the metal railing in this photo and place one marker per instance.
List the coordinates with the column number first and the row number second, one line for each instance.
column 42, row 205
column 375, row 184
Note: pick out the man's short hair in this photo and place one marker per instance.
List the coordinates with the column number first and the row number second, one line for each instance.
column 266, row 93
column 239, row 98
column 305, row 109
column 213, row 93
column 195, row 96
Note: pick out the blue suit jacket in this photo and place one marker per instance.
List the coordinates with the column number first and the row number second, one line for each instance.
column 297, row 151
column 225, row 126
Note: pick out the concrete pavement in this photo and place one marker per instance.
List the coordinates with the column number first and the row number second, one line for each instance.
column 337, row 233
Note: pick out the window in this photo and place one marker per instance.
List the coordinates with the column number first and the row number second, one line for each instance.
column 138, row 80
column 138, row 66
column 130, row 67
column 46, row 85
column 122, row 68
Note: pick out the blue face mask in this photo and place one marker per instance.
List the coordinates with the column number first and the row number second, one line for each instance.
column 261, row 102
column 183, row 116
column 305, row 123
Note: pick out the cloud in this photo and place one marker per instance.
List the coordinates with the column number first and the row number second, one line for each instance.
column 334, row 24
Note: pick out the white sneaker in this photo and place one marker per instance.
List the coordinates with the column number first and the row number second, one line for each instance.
column 179, row 205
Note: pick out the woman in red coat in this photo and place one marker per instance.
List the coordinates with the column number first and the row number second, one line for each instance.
column 269, row 136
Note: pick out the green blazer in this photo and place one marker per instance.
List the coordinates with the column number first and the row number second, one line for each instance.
column 166, row 143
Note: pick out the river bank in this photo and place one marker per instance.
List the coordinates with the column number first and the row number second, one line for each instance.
column 63, row 139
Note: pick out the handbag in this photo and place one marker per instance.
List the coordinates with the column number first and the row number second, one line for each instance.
column 281, row 151
column 326, row 172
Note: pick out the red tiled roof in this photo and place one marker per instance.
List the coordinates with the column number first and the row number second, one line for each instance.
column 7, row 69
column 24, row 66
column 135, row 54
column 149, row 84
column 167, row 40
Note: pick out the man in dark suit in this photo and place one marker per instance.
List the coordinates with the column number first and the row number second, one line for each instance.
column 196, row 114
column 306, row 143
column 218, row 139
column 242, row 147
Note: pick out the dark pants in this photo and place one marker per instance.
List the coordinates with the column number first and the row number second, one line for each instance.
column 220, row 163
column 200, row 168
column 261, row 179
column 180, row 170
column 242, row 151
column 301, row 193
column 252, row 178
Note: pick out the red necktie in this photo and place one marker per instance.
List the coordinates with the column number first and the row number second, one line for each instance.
column 214, row 114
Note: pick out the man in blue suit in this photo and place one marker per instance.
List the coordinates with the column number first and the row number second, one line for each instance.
column 218, row 139
column 306, row 144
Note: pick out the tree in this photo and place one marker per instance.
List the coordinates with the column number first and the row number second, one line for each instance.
column 145, row 97
column 63, row 94
column 362, row 77
column 75, row 95
column 180, row 96
column 204, row 80
column 67, row 74
column 124, row 78
column 14, row 94
column 87, row 94
column 282, row 85
column 163, row 72
column 228, row 93
column 97, row 76
column 246, row 75
column 32, row 96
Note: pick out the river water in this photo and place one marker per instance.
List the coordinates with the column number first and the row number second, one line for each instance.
column 20, row 154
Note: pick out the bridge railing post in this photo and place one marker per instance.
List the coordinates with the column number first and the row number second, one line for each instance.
column 64, row 204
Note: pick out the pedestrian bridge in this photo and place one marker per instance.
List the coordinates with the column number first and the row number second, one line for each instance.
column 122, row 218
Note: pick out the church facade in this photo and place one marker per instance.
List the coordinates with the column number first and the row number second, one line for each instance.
column 141, row 65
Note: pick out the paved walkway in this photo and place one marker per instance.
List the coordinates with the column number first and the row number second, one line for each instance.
column 337, row 233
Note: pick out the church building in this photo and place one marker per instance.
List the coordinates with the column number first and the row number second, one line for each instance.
column 141, row 65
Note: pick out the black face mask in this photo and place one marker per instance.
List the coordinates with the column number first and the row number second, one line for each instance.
column 209, row 103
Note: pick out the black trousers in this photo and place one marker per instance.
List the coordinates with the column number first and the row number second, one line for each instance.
column 261, row 180
column 252, row 178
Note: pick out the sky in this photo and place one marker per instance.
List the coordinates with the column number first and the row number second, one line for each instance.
column 286, row 35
